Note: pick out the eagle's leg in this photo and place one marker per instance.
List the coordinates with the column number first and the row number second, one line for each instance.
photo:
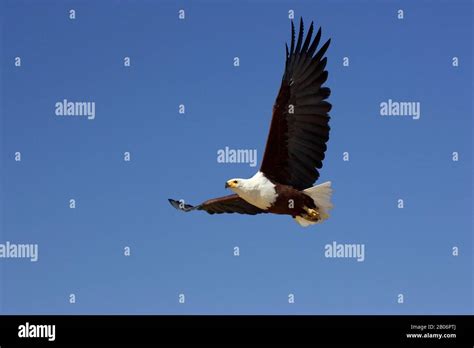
column 311, row 214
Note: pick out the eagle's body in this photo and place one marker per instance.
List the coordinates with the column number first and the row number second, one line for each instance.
column 295, row 147
column 273, row 197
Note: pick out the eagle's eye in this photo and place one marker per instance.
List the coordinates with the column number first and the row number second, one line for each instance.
column 235, row 181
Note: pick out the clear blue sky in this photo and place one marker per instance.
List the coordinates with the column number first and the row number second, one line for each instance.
column 407, row 251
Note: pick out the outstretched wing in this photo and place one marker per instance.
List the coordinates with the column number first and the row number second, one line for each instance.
column 226, row 204
column 299, row 129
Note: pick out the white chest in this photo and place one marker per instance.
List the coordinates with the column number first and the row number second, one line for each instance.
column 258, row 191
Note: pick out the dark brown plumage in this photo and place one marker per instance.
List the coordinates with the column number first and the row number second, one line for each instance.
column 290, row 201
column 226, row 204
column 299, row 130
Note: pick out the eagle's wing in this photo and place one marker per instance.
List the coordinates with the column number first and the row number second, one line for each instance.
column 299, row 129
column 226, row 204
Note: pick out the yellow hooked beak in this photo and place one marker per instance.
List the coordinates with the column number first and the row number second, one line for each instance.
column 231, row 184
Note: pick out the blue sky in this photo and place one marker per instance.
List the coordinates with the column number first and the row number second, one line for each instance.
column 407, row 251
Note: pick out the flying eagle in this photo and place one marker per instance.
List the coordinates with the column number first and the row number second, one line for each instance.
column 295, row 146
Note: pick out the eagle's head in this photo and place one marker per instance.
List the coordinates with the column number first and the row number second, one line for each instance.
column 233, row 183
column 257, row 190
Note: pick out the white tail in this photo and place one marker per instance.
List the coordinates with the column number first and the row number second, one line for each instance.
column 321, row 195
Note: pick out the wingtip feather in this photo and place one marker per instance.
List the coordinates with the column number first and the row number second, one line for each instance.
column 182, row 207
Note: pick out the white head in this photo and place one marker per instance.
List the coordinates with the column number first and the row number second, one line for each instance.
column 257, row 190
column 236, row 184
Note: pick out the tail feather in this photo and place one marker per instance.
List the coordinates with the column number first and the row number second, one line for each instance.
column 321, row 195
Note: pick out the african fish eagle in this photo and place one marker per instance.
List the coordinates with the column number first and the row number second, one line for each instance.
column 295, row 146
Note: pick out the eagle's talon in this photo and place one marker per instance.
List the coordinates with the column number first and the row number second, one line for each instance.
column 311, row 214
